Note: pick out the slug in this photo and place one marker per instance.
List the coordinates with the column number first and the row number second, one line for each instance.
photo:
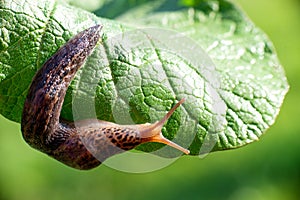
column 44, row 129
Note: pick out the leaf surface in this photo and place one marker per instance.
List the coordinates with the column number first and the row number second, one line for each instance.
column 151, row 55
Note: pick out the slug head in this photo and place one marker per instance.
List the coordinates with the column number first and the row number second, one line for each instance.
column 152, row 132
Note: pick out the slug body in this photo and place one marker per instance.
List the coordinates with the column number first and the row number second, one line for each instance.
column 83, row 144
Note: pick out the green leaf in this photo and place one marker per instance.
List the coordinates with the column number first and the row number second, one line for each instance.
column 234, row 92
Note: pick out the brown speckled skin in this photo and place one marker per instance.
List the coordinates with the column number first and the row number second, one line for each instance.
column 111, row 140
column 42, row 126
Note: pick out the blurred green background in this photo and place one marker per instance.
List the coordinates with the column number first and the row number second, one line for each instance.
column 268, row 169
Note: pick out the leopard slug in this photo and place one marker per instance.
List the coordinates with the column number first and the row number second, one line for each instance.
column 82, row 144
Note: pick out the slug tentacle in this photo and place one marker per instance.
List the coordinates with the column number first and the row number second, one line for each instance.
column 152, row 132
column 91, row 141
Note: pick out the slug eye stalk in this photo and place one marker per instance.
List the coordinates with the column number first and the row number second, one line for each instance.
column 152, row 132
